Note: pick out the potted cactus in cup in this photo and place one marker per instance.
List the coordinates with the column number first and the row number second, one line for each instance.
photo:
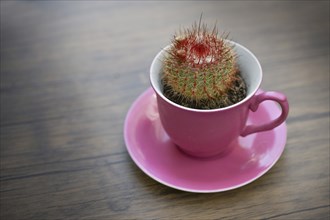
column 200, row 70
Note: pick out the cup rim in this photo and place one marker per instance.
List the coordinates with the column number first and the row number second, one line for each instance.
column 247, row 98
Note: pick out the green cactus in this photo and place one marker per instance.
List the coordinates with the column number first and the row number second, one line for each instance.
column 200, row 70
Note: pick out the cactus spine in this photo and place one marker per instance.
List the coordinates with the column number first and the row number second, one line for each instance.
column 200, row 70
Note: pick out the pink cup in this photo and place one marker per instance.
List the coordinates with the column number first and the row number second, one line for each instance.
column 205, row 133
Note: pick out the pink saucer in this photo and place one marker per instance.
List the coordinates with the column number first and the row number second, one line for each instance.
column 154, row 153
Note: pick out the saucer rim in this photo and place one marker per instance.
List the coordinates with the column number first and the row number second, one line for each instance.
column 154, row 177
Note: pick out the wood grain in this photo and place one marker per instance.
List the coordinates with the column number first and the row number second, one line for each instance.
column 70, row 70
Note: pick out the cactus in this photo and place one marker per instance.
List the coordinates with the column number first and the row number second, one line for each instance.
column 200, row 70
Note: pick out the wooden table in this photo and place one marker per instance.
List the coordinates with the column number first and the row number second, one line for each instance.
column 70, row 70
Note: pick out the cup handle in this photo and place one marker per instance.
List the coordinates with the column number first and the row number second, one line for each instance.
column 273, row 96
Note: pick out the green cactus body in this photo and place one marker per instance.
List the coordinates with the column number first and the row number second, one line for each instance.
column 200, row 70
